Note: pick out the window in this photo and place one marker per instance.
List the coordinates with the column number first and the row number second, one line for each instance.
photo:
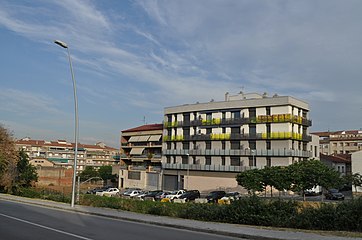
column 168, row 145
column 208, row 130
column 223, row 115
column 235, row 144
column 252, row 113
column 186, row 131
column 208, row 116
column 134, row 175
column 168, row 159
column 208, row 144
column 169, row 118
column 267, row 111
column 234, row 161
column 252, row 130
column 207, row 160
column 235, row 130
column 186, row 145
column 185, row 159
column 235, row 114
column 186, row 117
column 223, row 160
column 268, row 145
column 222, row 144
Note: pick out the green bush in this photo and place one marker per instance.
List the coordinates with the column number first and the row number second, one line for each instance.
column 341, row 216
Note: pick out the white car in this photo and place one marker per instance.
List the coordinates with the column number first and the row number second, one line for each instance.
column 231, row 196
column 132, row 193
column 109, row 192
column 175, row 194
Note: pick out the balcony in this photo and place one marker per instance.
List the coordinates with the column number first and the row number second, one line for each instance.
column 276, row 118
column 240, row 152
column 211, row 168
column 237, row 136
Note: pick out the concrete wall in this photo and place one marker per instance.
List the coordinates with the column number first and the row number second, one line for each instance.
column 54, row 176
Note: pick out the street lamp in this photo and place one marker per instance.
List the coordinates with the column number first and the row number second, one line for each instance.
column 64, row 45
column 253, row 153
column 188, row 171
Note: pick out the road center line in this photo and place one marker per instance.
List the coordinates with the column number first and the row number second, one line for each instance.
column 45, row 227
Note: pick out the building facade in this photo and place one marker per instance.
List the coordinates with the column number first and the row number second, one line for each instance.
column 340, row 142
column 61, row 153
column 339, row 162
column 205, row 145
column 141, row 150
column 357, row 168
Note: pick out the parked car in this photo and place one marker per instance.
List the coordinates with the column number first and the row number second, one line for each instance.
column 109, row 192
column 175, row 194
column 98, row 189
column 161, row 195
column 131, row 193
column 214, row 196
column 231, row 196
column 334, row 194
column 151, row 195
column 190, row 195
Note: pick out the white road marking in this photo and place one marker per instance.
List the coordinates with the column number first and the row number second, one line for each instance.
column 45, row 227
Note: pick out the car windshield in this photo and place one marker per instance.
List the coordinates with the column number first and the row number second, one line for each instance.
column 333, row 190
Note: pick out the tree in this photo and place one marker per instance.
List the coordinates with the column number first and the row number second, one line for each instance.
column 105, row 172
column 277, row 177
column 311, row 173
column 26, row 172
column 87, row 173
column 252, row 180
column 8, row 159
column 354, row 179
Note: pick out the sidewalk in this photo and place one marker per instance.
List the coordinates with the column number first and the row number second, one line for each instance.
column 241, row 231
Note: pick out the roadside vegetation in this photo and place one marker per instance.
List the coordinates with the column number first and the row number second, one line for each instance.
column 15, row 170
column 17, row 177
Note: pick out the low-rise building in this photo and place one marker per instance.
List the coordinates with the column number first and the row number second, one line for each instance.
column 141, row 149
column 61, row 153
column 340, row 142
column 339, row 162
column 357, row 168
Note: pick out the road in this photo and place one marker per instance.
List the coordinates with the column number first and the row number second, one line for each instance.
column 23, row 221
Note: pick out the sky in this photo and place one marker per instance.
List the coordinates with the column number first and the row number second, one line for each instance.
column 131, row 59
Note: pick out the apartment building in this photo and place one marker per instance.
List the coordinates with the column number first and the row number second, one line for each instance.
column 61, row 153
column 340, row 142
column 141, row 150
column 205, row 145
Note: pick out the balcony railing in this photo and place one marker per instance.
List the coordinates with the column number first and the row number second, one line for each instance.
column 239, row 152
column 212, row 168
column 237, row 136
column 276, row 118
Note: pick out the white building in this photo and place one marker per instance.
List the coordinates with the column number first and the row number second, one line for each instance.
column 205, row 145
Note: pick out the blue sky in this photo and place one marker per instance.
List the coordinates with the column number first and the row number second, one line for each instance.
column 133, row 58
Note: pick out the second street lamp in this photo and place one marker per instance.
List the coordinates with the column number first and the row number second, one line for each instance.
column 64, row 45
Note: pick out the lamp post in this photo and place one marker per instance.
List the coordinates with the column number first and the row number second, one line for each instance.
column 64, row 45
column 253, row 153
column 188, row 171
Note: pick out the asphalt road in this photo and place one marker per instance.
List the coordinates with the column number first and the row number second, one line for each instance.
column 23, row 221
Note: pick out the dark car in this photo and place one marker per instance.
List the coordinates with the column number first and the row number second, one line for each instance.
column 334, row 194
column 214, row 196
column 190, row 195
column 151, row 195
column 159, row 196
